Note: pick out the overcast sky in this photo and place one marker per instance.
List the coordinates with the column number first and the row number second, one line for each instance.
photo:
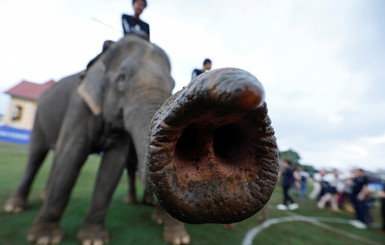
column 321, row 62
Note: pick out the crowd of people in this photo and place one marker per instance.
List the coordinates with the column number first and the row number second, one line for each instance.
column 333, row 190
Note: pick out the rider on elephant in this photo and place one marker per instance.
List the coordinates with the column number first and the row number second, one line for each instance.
column 132, row 23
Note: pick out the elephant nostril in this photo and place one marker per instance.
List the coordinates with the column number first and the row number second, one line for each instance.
column 229, row 143
column 204, row 148
column 190, row 144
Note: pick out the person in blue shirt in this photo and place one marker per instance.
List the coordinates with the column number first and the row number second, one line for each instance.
column 133, row 23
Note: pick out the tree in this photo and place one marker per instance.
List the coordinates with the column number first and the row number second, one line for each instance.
column 290, row 155
column 308, row 168
column 294, row 158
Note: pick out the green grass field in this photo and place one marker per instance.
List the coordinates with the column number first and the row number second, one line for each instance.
column 131, row 224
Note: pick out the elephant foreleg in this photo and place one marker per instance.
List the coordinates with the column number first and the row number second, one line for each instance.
column 69, row 158
column 37, row 152
column 148, row 196
column 93, row 230
column 174, row 231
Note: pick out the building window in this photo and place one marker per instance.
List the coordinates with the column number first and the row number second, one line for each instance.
column 17, row 111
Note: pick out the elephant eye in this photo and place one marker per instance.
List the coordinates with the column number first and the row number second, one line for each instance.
column 121, row 77
column 120, row 82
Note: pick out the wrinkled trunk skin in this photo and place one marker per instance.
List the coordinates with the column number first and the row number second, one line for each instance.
column 213, row 156
column 138, row 114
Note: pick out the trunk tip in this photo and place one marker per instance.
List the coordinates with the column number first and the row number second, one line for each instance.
column 251, row 98
column 236, row 86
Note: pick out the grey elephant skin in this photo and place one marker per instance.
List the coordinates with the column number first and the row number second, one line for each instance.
column 78, row 116
column 210, row 154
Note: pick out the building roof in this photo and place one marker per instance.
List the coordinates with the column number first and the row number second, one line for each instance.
column 29, row 90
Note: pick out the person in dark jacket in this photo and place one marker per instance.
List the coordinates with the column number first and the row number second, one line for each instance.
column 381, row 196
column 206, row 67
column 106, row 45
column 287, row 178
column 133, row 23
column 359, row 192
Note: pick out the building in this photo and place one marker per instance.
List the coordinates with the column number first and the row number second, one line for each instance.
column 18, row 120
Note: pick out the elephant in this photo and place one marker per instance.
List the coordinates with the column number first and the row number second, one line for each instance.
column 208, row 152
column 79, row 116
column 47, row 124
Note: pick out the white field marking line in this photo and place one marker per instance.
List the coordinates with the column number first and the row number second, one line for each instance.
column 250, row 235
column 336, row 220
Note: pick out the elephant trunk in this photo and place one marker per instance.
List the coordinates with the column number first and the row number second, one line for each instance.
column 212, row 155
column 138, row 115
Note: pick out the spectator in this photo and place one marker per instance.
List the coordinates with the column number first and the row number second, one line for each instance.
column 341, row 189
column 133, row 23
column 287, row 181
column 297, row 181
column 347, row 193
column 303, row 176
column 381, row 195
column 317, row 177
column 370, row 204
column 330, row 183
column 359, row 192
column 206, row 67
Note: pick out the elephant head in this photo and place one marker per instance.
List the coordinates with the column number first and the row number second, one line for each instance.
column 213, row 157
column 126, row 86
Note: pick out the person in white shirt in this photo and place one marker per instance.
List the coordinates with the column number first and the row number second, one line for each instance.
column 317, row 178
column 331, row 179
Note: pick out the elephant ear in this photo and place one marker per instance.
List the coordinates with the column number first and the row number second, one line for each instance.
column 92, row 87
